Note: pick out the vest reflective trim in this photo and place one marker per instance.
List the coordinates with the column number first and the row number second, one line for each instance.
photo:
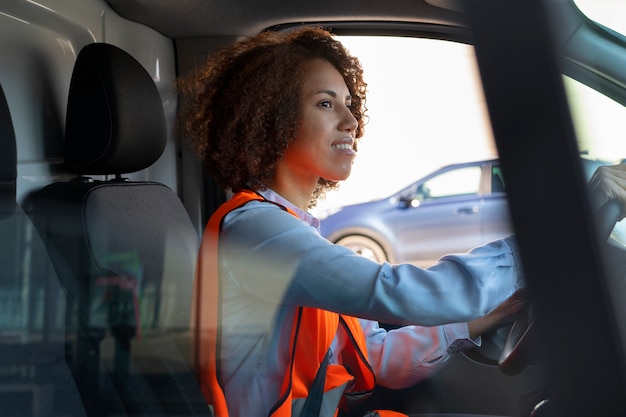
column 330, row 402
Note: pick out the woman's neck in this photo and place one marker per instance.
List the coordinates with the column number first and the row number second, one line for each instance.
column 298, row 194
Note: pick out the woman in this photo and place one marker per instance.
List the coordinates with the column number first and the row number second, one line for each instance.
column 276, row 119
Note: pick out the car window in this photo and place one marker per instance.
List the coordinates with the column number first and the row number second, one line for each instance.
column 610, row 13
column 600, row 122
column 497, row 180
column 457, row 182
column 430, row 113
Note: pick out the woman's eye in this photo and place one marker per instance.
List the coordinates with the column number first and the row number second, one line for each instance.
column 326, row 104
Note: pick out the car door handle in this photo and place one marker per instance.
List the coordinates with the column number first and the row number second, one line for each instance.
column 466, row 211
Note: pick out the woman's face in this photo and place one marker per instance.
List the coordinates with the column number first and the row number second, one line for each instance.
column 324, row 142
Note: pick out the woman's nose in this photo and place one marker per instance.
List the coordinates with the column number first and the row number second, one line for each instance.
column 350, row 123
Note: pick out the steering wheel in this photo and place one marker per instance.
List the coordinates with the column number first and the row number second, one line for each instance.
column 511, row 358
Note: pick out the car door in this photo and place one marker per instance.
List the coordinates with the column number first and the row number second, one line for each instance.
column 442, row 216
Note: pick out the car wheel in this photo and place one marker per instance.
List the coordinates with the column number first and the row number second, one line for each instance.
column 364, row 246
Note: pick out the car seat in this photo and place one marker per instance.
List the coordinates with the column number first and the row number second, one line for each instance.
column 33, row 370
column 125, row 250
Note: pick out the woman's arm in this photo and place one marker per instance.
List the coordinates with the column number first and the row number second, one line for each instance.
column 405, row 356
column 280, row 259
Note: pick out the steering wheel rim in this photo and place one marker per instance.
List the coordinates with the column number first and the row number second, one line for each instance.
column 511, row 358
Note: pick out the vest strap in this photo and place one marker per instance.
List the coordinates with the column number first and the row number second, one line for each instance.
column 313, row 401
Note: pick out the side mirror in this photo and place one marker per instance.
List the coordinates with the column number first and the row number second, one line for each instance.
column 412, row 200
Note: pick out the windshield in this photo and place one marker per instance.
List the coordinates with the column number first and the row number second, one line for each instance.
column 599, row 121
column 610, row 13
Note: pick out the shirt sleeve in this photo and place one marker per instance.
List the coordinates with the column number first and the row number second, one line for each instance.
column 279, row 259
column 402, row 357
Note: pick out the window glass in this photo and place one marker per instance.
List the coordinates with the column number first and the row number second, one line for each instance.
column 426, row 109
column 600, row 122
column 463, row 181
column 600, row 125
column 497, row 180
column 610, row 13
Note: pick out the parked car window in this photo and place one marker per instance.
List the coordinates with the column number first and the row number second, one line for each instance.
column 462, row 181
column 497, row 180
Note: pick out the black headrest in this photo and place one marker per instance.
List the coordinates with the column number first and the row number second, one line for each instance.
column 8, row 159
column 115, row 121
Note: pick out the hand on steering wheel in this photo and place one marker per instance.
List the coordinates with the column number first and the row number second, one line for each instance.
column 511, row 359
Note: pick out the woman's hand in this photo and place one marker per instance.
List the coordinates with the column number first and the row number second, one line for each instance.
column 503, row 313
column 609, row 183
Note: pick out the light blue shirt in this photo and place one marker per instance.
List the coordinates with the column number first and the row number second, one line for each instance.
column 272, row 262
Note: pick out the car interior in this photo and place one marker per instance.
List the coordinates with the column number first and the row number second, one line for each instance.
column 103, row 204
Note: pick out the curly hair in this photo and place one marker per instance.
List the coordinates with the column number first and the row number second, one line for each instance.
column 242, row 108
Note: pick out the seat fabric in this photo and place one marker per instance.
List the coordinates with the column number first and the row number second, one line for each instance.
column 125, row 250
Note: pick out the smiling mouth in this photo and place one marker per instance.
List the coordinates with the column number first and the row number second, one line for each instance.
column 342, row 146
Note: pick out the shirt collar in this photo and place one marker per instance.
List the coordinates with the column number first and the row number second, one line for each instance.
column 306, row 217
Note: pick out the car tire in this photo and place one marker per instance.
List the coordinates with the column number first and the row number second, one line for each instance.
column 364, row 246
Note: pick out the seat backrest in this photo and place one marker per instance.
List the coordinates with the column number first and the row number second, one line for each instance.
column 34, row 376
column 124, row 250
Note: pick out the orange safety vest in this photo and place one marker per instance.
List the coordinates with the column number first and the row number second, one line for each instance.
column 312, row 333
